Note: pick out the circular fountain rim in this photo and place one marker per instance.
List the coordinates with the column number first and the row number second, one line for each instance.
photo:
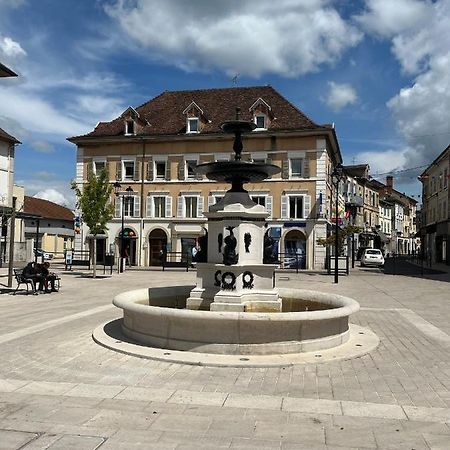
column 344, row 306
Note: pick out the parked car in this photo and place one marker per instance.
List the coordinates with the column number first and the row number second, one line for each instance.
column 372, row 257
column 41, row 254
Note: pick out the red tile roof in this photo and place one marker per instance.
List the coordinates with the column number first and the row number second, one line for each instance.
column 46, row 209
column 164, row 113
column 4, row 136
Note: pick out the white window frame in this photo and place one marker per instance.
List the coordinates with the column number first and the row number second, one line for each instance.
column 155, row 174
column 264, row 196
column 127, row 123
column 94, row 165
column 164, row 207
column 128, row 204
column 188, row 125
column 291, row 173
column 124, row 175
column 185, row 197
column 302, row 196
column 186, row 168
column 264, row 117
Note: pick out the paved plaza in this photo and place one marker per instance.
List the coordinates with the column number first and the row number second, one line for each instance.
column 61, row 390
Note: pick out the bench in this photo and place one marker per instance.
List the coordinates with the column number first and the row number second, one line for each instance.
column 22, row 280
column 78, row 262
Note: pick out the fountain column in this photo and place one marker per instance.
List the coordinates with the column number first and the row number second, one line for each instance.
column 233, row 276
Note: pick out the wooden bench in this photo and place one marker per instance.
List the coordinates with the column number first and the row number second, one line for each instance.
column 78, row 262
column 18, row 274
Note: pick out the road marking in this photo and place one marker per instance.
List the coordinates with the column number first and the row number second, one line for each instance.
column 51, row 323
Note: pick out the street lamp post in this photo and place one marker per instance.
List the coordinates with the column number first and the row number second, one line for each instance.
column 336, row 178
column 128, row 191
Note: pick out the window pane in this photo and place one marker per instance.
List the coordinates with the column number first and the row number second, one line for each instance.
column 129, row 169
column 295, row 207
column 193, row 125
column 191, row 206
column 99, row 166
column 129, row 206
column 259, row 200
column 190, row 165
column 160, row 206
column 296, row 167
column 160, row 169
column 260, row 122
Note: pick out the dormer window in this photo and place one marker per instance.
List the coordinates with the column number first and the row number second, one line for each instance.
column 192, row 125
column 260, row 121
column 129, row 127
column 262, row 114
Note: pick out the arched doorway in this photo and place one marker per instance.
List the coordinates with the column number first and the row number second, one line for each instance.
column 295, row 249
column 157, row 242
column 129, row 245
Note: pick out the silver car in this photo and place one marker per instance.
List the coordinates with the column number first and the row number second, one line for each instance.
column 372, row 257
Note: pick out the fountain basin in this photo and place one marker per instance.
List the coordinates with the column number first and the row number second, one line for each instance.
column 156, row 317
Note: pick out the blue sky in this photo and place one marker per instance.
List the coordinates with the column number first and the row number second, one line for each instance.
column 378, row 69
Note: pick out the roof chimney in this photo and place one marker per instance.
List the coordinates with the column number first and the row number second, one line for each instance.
column 389, row 184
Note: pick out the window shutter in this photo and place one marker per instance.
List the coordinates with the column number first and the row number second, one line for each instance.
column 200, row 204
column 137, row 206
column 180, row 201
column 168, row 174
column 307, row 205
column 136, row 175
column 119, row 170
column 211, row 201
column 269, row 205
column 181, row 165
column 284, row 206
column 148, row 212
column 285, row 169
column 305, row 171
column 107, row 168
column 117, row 209
column 150, row 169
column 168, row 206
column 89, row 168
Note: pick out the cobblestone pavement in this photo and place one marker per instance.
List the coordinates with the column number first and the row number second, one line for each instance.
column 60, row 390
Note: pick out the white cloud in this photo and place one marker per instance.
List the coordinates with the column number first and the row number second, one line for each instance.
column 54, row 196
column 383, row 161
column 340, row 95
column 43, row 147
column 420, row 40
column 10, row 48
column 390, row 17
column 286, row 37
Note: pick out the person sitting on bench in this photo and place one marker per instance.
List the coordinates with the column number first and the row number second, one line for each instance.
column 29, row 273
column 47, row 277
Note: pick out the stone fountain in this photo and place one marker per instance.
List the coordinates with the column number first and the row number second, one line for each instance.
column 234, row 309
column 231, row 275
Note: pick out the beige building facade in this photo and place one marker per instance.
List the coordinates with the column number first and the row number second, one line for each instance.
column 156, row 160
column 435, row 231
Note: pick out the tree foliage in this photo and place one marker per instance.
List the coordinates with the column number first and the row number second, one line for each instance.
column 94, row 202
column 343, row 234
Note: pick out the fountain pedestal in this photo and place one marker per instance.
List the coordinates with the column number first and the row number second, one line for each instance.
column 235, row 278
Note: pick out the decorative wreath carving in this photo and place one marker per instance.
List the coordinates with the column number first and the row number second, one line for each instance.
column 228, row 281
column 217, row 280
column 247, row 278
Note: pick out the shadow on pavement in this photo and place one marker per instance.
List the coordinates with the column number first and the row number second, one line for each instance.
column 401, row 266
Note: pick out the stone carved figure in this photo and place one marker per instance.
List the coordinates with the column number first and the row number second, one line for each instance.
column 269, row 256
column 230, row 256
column 220, row 241
column 247, row 242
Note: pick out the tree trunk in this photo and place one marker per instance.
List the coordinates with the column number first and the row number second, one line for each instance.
column 94, row 256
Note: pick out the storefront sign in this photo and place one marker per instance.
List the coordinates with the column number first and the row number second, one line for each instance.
column 295, row 224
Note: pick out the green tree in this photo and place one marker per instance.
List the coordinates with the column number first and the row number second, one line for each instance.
column 96, row 208
column 343, row 234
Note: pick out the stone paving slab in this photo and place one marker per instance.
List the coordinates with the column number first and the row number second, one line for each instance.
column 57, row 385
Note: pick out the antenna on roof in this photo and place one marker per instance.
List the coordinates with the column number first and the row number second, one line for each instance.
column 234, row 80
